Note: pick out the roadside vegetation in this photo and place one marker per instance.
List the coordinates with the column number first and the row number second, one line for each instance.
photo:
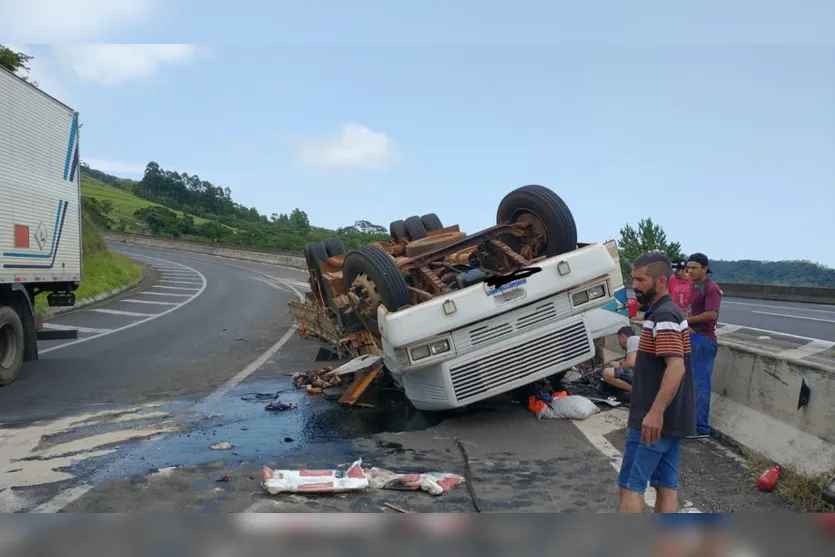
column 650, row 236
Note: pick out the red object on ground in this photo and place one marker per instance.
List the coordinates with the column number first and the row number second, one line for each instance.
column 768, row 481
column 632, row 306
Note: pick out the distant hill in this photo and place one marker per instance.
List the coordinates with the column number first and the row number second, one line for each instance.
column 179, row 205
column 789, row 273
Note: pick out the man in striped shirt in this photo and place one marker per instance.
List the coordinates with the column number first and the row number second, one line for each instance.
column 662, row 410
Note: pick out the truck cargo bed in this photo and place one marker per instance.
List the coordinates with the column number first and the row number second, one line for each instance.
column 312, row 320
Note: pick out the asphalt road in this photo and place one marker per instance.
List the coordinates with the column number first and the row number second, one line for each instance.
column 157, row 401
column 813, row 321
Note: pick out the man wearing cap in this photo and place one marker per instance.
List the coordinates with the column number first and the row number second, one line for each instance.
column 680, row 283
column 701, row 315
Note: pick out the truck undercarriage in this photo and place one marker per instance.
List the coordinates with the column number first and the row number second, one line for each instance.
column 421, row 260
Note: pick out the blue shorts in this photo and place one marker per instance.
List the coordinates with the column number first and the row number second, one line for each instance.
column 656, row 463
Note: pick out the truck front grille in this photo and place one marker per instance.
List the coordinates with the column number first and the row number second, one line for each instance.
column 532, row 315
column 525, row 359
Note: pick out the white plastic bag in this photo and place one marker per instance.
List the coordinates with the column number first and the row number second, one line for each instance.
column 572, row 407
column 432, row 482
column 314, row 481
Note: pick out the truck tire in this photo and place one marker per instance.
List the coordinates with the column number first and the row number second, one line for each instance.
column 333, row 246
column 314, row 254
column 11, row 345
column 549, row 209
column 389, row 287
column 414, row 228
column 431, row 222
column 397, row 230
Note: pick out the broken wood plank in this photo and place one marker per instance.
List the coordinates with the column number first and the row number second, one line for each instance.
column 362, row 380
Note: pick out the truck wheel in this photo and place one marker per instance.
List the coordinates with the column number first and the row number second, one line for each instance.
column 397, row 230
column 371, row 278
column 314, row 254
column 548, row 213
column 11, row 345
column 414, row 228
column 431, row 222
column 333, row 246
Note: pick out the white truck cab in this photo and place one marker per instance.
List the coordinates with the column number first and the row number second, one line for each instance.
column 481, row 341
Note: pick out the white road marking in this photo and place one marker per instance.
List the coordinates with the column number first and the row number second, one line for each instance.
column 141, row 321
column 179, row 281
column 177, row 274
column 154, row 302
column 774, row 306
column 63, row 499
column 146, row 293
column 596, row 427
column 727, row 329
column 57, row 327
column 172, row 287
column 808, row 339
column 119, row 312
column 794, row 316
column 809, row 349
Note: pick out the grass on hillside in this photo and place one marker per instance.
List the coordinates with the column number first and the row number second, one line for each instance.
column 124, row 203
column 103, row 270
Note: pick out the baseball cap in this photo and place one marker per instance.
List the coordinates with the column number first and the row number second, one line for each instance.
column 678, row 264
column 701, row 259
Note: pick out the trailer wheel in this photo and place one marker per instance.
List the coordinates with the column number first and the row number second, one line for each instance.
column 371, row 278
column 314, row 254
column 431, row 222
column 333, row 246
column 11, row 345
column 414, row 228
column 548, row 213
column 397, row 230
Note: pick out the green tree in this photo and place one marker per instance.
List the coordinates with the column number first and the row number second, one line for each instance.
column 648, row 237
column 15, row 62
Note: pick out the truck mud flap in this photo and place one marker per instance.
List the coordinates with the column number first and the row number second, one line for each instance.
column 49, row 334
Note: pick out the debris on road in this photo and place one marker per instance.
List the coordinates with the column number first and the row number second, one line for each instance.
column 314, row 481
column 278, row 406
column 433, row 483
column 768, row 480
column 394, row 508
column 322, row 378
column 570, row 407
column 222, row 446
column 328, row 380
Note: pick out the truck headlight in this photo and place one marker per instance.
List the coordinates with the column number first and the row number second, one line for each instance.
column 429, row 349
column 588, row 294
column 401, row 356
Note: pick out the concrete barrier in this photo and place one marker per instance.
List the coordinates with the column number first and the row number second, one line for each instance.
column 808, row 294
column 287, row 259
column 755, row 405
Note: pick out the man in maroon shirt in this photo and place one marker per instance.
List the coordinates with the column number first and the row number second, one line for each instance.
column 701, row 315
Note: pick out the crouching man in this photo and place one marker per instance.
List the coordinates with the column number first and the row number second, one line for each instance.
column 621, row 375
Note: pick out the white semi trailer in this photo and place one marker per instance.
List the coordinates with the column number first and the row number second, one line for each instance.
column 40, row 216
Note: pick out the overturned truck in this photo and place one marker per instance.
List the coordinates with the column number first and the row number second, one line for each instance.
column 427, row 301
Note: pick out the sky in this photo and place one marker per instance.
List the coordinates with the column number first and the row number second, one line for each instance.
column 717, row 120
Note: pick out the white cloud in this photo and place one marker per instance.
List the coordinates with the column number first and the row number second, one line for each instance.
column 112, row 64
column 354, row 146
column 116, row 168
column 55, row 21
